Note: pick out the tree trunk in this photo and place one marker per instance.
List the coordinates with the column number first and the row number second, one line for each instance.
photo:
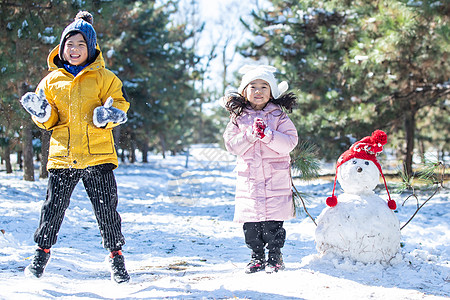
column 410, row 126
column 122, row 156
column 145, row 152
column 163, row 144
column 27, row 149
column 132, row 156
column 19, row 159
column 7, row 158
column 422, row 151
column 225, row 68
column 45, row 143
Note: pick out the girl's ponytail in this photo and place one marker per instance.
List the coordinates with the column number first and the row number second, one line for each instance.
column 288, row 101
column 235, row 103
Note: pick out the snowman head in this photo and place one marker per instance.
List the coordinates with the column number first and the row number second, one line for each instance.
column 358, row 176
column 354, row 180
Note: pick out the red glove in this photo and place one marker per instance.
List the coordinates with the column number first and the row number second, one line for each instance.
column 258, row 128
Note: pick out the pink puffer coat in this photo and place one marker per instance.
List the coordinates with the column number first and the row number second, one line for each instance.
column 263, row 186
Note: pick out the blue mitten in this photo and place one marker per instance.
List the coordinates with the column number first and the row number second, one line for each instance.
column 107, row 113
column 37, row 105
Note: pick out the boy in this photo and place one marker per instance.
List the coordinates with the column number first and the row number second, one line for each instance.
column 75, row 102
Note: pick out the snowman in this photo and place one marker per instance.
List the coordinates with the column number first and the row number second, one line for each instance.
column 359, row 224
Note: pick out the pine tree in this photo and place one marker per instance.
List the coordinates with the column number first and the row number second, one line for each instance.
column 149, row 53
column 27, row 35
column 140, row 44
column 357, row 65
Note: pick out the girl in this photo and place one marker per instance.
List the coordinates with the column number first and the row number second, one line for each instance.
column 262, row 135
column 75, row 102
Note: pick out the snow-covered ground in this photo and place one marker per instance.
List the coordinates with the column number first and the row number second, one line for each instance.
column 182, row 243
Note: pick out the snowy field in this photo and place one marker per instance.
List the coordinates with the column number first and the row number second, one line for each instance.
column 182, row 243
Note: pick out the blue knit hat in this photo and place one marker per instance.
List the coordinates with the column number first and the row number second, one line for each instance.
column 88, row 32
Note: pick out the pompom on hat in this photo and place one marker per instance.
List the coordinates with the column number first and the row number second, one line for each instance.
column 264, row 72
column 367, row 149
column 82, row 24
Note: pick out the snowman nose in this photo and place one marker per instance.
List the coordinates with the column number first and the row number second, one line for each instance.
column 359, row 169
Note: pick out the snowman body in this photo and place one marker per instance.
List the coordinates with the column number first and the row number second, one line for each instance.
column 361, row 226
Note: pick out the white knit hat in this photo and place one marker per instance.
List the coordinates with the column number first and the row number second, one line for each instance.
column 264, row 72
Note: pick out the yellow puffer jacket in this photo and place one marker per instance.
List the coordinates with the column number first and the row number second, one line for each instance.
column 76, row 142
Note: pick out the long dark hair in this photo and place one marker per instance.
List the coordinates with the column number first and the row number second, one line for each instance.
column 235, row 103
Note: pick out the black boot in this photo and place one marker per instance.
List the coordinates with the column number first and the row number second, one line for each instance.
column 40, row 260
column 118, row 272
column 258, row 263
column 275, row 262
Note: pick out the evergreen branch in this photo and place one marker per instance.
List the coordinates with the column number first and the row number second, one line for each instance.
column 418, row 208
column 406, row 181
column 306, row 160
column 307, row 163
column 297, row 196
column 427, row 175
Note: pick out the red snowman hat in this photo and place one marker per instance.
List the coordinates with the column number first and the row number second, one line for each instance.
column 367, row 149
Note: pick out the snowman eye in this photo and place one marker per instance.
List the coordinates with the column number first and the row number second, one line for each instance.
column 354, row 162
column 367, row 163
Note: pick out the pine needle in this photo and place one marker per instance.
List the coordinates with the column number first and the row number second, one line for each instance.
column 305, row 160
column 432, row 176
